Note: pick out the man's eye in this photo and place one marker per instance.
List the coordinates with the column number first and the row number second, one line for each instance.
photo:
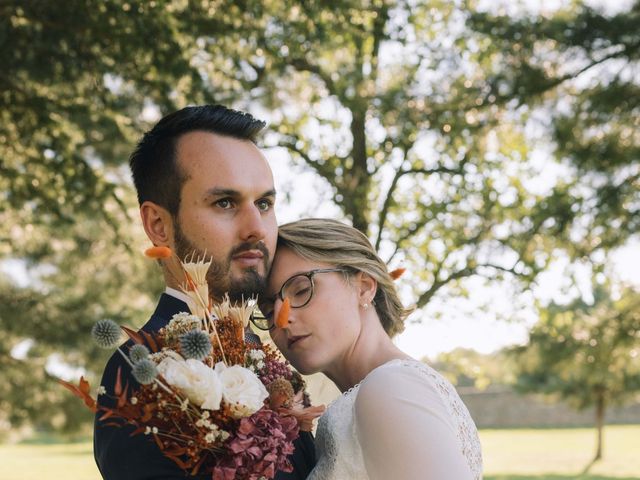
column 265, row 205
column 224, row 203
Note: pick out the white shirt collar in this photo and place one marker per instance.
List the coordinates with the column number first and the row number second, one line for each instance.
column 177, row 294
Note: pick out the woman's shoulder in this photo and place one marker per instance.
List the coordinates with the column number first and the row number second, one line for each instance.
column 407, row 402
column 401, row 370
column 402, row 378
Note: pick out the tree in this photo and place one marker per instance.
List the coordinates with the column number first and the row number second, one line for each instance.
column 84, row 275
column 586, row 352
column 575, row 74
column 467, row 368
column 77, row 82
column 80, row 77
column 392, row 103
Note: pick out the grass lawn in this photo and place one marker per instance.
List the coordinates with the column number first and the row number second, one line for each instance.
column 545, row 454
column 559, row 454
column 68, row 461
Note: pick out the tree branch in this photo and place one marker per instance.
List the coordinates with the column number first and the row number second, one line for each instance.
column 388, row 201
column 303, row 65
column 378, row 35
column 425, row 297
column 322, row 168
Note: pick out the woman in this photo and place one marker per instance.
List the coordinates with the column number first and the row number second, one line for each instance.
column 397, row 418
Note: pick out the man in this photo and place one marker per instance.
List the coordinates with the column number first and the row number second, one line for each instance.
column 203, row 186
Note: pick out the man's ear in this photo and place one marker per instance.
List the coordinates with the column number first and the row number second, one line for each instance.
column 367, row 288
column 157, row 223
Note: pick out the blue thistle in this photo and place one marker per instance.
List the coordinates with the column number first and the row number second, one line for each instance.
column 106, row 333
column 144, row 371
column 195, row 344
column 138, row 352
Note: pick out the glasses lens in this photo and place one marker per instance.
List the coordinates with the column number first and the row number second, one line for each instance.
column 261, row 321
column 259, row 318
column 298, row 290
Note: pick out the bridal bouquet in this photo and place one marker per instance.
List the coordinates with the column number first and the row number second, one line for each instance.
column 212, row 402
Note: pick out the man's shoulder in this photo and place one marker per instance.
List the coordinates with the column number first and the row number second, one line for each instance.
column 166, row 308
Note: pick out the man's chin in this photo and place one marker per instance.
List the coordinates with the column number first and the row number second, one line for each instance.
column 247, row 284
column 241, row 273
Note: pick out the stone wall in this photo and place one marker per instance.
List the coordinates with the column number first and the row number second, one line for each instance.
column 501, row 407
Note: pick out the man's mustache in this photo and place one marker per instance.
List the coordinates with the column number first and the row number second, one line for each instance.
column 247, row 246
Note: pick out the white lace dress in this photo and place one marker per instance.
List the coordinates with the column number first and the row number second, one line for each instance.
column 404, row 421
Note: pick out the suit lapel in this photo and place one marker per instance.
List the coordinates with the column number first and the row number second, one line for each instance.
column 167, row 307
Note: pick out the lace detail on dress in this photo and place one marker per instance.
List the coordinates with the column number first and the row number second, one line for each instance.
column 338, row 450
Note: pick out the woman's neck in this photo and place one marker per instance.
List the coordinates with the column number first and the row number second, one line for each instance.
column 372, row 349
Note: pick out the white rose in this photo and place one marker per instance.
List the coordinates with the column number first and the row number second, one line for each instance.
column 198, row 382
column 242, row 390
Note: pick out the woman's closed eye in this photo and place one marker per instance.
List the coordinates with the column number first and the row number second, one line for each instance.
column 301, row 292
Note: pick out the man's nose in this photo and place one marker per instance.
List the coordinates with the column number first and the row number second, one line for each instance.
column 253, row 225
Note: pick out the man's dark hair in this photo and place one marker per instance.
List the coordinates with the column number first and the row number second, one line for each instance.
column 156, row 174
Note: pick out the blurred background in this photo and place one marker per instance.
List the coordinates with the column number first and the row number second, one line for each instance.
column 491, row 148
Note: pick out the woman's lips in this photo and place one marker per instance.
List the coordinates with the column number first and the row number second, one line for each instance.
column 296, row 339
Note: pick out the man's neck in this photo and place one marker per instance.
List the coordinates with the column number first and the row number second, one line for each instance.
column 177, row 294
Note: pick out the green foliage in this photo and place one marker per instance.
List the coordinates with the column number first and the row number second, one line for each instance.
column 468, row 368
column 75, row 276
column 585, row 352
column 578, row 68
column 415, row 113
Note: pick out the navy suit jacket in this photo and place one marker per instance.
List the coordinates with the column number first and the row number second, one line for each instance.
column 120, row 456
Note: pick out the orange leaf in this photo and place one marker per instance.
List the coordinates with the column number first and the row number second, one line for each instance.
column 117, row 389
column 151, row 341
column 158, row 442
column 81, row 391
column 177, row 460
column 84, row 386
column 158, row 252
column 107, row 414
column 195, row 469
column 397, row 273
column 133, row 335
column 122, row 399
column 148, row 412
column 283, row 315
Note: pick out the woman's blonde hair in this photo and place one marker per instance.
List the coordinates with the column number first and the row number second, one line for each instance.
column 335, row 243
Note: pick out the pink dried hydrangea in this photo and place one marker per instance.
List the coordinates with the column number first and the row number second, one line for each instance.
column 259, row 448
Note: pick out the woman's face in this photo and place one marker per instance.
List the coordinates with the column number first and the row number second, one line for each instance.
column 322, row 332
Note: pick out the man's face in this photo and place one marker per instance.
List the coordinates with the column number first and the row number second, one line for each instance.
column 226, row 211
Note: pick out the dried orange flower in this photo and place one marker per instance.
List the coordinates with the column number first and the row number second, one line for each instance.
column 283, row 315
column 397, row 273
column 158, row 252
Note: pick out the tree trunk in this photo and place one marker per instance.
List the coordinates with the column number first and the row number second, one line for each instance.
column 600, row 406
column 359, row 179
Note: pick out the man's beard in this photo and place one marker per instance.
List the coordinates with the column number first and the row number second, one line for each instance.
column 219, row 275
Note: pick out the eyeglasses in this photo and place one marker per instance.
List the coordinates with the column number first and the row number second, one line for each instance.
column 298, row 289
